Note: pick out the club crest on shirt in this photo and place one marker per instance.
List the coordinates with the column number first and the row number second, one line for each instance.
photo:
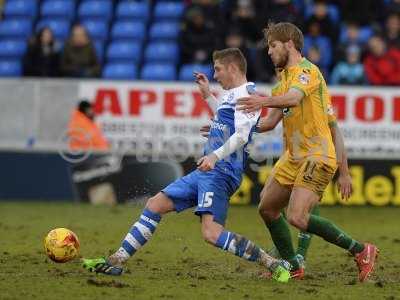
column 304, row 78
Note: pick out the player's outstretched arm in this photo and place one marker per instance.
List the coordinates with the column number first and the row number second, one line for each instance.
column 344, row 179
column 270, row 121
column 256, row 102
column 204, row 88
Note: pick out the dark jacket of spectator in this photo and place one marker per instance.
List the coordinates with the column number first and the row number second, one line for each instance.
column 42, row 58
column 197, row 39
column 392, row 30
column 382, row 66
column 79, row 58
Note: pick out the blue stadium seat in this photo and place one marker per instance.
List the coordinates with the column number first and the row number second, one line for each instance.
column 59, row 27
column 124, row 51
column 128, row 30
column 10, row 68
column 133, row 10
column 186, row 71
column 15, row 28
column 162, row 52
column 12, row 48
column 58, row 8
column 100, row 9
column 120, row 71
column 164, row 31
column 158, row 71
column 97, row 30
column 168, row 10
column 20, row 8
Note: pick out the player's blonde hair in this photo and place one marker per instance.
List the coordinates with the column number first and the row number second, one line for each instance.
column 231, row 55
column 284, row 32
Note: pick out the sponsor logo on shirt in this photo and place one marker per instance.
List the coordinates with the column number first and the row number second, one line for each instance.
column 304, row 78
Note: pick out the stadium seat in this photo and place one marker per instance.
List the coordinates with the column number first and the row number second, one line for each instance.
column 365, row 32
column 10, row 68
column 12, row 48
column 20, row 8
column 162, row 52
column 120, row 71
column 97, row 30
column 186, row 71
column 99, row 9
column 128, row 30
column 168, row 10
column 133, row 10
column 58, row 8
column 164, row 31
column 59, row 27
column 122, row 51
column 15, row 28
column 158, row 71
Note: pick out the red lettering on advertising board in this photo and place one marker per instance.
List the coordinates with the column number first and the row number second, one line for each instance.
column 107, row 100
column 339, row 105
column 171, row 102
column 140, row 98
column 396, row 109
column 200, row 106
column 360, row 109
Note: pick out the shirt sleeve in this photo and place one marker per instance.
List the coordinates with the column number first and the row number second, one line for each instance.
column 243, row 125
column 305, row 80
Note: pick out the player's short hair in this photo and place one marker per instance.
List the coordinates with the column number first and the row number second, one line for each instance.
column 284, row 32
column 231, row 55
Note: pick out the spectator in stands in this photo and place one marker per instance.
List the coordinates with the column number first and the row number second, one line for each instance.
column 365, row 12
column 83, row 132
column 244, row 14
column 316, row 43
column 42, row 57
column 392, row 31
column 282, row 11
column 320, row 15
column 393, row 7
column 351, row 37
column 314, row 55
column 235, row 39
column 197, row 39
column 382, row 64
column 79, row 58
column 350, row 71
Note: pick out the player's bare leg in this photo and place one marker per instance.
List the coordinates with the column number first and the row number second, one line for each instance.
column 274, row 197
column 138, row 235
column 238, row 245
column 300, row 204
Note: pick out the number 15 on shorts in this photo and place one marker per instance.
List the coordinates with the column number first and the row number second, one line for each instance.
column 206, row 199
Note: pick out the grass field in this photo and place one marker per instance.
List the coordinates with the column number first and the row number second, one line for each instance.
column 177, row 264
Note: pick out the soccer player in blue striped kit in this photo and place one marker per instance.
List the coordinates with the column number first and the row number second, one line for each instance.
column 209, row 187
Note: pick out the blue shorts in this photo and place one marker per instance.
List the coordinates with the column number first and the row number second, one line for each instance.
column 209, row 191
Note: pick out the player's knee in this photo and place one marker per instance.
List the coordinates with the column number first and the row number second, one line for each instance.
column 297, row 220
column 158, row 204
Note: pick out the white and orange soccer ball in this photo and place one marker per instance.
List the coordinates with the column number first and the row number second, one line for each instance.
column 61, row 245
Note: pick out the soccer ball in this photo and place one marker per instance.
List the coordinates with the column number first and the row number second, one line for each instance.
column 61, row 245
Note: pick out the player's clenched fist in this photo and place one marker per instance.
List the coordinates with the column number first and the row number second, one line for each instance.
column 207, row 163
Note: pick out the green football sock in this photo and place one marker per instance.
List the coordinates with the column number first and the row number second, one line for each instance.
column 331, row 233
column 280, row 234
column 304, row 238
